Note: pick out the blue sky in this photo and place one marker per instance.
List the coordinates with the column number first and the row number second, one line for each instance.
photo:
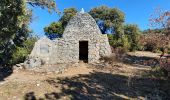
column 136, row 11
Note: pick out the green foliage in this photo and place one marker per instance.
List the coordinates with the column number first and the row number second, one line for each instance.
column 133, row 33
column 111, row 18
column 56, row 28
column 111, row 39
column 13, row 27
column 108, row 18
column 48, row 4
column 29, row 43
column 10, row 11
column 125, row 43
column 14, row 31
column 67, row 15
column 20, row 53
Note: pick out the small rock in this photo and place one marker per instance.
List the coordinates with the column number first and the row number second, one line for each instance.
column 38, row 84
column 18, row 65
column 14, row 97
column 56, row 72
column 32, row 63
column 1, row 83
column 16, row 68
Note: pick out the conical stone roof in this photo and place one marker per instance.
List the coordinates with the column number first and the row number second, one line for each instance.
column 81, row 24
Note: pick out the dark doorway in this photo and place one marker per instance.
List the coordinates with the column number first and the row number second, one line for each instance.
column 83, row 51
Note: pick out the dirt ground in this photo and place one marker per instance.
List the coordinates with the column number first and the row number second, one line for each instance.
column 119, row 81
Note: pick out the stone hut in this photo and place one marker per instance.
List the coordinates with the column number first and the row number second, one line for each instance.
column 81, row 40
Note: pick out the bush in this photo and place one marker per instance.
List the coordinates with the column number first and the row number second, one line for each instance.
column 154, row 41
column 150, row 46
column 120, row 53
column 120, row 43
column 132, row 32
column 21, row 53
column 117, row 55
column 128, row 40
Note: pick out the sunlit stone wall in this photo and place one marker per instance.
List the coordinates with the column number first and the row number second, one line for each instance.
column 81, row 27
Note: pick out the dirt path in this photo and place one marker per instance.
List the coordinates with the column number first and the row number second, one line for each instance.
column 145, row 53
column 28, row 76
column 86, row 82
column 23, row 83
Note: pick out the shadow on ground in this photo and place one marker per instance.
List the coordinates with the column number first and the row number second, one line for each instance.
column 106, row 86
column 5, row 72
column 141, row 60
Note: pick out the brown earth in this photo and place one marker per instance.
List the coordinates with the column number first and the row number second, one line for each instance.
column 88, row 82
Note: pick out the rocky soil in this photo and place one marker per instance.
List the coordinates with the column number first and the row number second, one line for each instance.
column 87, row 82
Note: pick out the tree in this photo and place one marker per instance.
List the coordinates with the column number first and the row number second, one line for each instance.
column 133, row 34
column 158, row 37
column 111, row 19
column 160, row 19
column 55, row 29
column 67, row 15
column 48, row 4
column 13, row 23
column 15, row 18
column 108, row 19
column 21, row 52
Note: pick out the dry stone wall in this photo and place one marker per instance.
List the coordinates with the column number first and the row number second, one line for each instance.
column 81, row 27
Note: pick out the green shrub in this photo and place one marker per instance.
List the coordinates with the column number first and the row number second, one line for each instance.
column 21, row 53
column 119, row 43
column 132, row 33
